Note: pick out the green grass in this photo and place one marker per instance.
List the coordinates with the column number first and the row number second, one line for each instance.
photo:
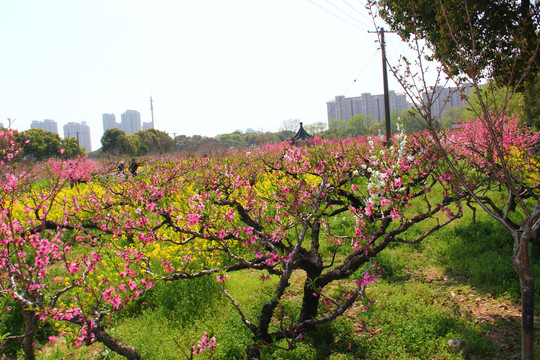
column 479, row 254
column 412, row 320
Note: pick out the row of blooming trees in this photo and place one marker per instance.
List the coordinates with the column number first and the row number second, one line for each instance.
column 277, row 210
column 79, row 254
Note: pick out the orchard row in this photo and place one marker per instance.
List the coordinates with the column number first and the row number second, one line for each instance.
column 79, row 240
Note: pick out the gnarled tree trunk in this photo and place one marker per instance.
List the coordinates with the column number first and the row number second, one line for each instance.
column 30, row 323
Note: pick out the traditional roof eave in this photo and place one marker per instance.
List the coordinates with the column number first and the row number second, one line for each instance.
column 301, row 135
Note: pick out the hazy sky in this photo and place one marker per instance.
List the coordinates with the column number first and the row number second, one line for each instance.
column 211, row 66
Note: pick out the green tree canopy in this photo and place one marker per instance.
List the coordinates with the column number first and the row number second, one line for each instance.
column 156, row 141
column 412, row 121
column 470, row 36
column 116, row 142
column 231, row 140
column 337, row 124
column 316, row 129
column 71, row 148
column 40, row 144
column 134, row 146
column 286, row 134
column 356, row 126
column 531, row 103
column 110, row 141
column 498, row 97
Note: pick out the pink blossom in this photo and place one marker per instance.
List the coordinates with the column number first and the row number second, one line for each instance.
column 132, row 285
column 193, row 219
column 222, row 278
column 149, row 284
column 73, row 267
column 385, row 202
column 366, row 280
column 395, row 214
column 205, row 344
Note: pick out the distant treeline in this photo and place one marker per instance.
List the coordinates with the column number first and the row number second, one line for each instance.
column 40, row 145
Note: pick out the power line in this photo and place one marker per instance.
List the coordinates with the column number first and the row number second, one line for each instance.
column 354, row 81
column 362, row 71
column 346, row 14
column 358, row 12
column 337, row 16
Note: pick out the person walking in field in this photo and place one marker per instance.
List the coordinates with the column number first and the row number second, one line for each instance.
column 133, row 167
column 121, row 167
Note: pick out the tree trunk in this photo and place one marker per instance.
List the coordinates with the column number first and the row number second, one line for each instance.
column 527, row 316
column 312, row 264
column 526, row 278
column 253, row 352
column 535, row 248
column 29, row 317
column 112, row 343
column 310, row 304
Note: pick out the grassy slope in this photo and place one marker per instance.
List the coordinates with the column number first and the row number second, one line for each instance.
column 459, row 283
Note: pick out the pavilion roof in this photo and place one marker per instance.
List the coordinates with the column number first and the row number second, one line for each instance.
column 301, row 135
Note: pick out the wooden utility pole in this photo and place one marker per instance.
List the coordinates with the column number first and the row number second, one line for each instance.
column 388, row 141
column 386, row 96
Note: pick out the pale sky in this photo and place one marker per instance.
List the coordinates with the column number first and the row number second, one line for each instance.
column 211, row 66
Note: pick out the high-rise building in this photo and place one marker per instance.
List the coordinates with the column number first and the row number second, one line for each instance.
column 80, row 131
column 45, row 125
column 109, row 122
column 443, row 98
column 343, row 108
column 147, row 125
column 131, row 122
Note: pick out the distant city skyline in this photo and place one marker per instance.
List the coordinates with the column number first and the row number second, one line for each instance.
column 442, row 98
column 130, row 122
column 343, row 108
column 211, row 66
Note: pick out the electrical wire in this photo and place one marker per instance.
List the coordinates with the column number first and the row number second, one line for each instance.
column 355, row 79
column 357, row 21
column 368, row 19
column 348, row 15
column 337, row 16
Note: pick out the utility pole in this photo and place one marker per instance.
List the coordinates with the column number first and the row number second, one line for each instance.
column 78, row 144
column 152, row 111
column 386, row 96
